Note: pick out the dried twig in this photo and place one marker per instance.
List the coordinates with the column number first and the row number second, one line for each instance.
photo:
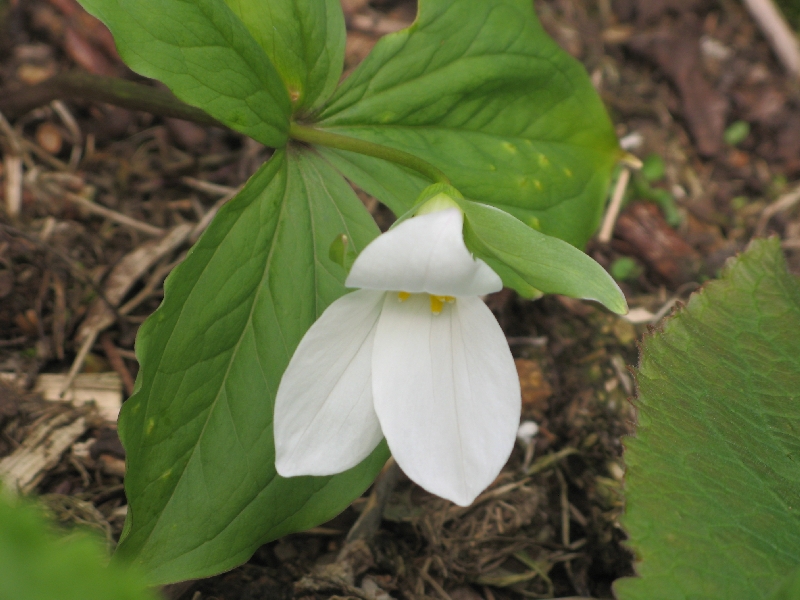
column 74, row 129
column 208, row 187
column 119, row 282
column 41, row 450
column 209, row 216
column 44, row 155
column 12, row 166
column 116, row 362
column 113, row 215
column 612, row 212
column 80, row 358
column 367, row 524
column 782, row 204
column 432, row 582
column 154, row 281
column 778, row 33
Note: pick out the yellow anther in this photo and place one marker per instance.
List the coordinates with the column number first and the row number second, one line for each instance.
column 403, row 296
column 449, row 299
column 437, row 303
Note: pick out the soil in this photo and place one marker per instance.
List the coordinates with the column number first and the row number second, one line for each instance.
column 693, row 90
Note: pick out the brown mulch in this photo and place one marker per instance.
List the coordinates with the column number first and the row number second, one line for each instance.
column 675, row 75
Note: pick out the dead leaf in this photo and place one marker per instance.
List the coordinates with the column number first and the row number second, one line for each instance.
column 675, row 48
column 649, row 237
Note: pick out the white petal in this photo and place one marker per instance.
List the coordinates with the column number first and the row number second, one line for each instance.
column 325, row 422
column 447, row 394
column 424, row 254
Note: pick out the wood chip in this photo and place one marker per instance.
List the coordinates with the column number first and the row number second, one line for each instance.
column 41, row 451
column 104, row 390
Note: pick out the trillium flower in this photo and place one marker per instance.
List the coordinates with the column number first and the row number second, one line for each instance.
column 414, row 356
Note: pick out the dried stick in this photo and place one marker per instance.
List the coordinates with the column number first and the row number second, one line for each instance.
column 782, row 204
column 115, row 216
column 77, row 364
column 614, row 207
column 116, row 362
column 778, row 33
column 74, row 129
column 12, row 165
column 367, row 524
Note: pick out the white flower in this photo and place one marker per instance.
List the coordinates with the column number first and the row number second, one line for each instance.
column 415, row 356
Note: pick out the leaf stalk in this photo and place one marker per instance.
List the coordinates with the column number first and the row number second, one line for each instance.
column 313, row 135
column 136, row 96
column 79, row 85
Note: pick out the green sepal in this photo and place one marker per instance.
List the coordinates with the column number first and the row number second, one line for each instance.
column 531, row 262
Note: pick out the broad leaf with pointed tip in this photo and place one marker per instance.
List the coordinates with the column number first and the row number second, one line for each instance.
column 205, row 55
column 304, row 40
column 481, row 91
column 789, row 589
column 713, row 480
column 201, row 478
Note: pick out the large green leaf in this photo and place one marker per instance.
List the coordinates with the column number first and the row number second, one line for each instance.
column 713, row 481
column 205, row 55
column 201, row 479
column 304, row 40
column 789, row 589
column 531, row 262
column 395, row 186
column 37, row 565
column 480, row 90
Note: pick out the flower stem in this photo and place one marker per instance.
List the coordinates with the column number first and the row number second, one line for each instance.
column 312, row 135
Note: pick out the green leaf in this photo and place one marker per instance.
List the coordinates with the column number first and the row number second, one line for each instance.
column 789, row 589
column 37, row 565
column 736, row 133
column 198, row 434
column 481, row 92
column 394, row 185
column 205, row 55
column 305, row 41
column 713, row 481
column 531, row 262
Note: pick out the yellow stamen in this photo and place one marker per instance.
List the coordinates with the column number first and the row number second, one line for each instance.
column 437, row 302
